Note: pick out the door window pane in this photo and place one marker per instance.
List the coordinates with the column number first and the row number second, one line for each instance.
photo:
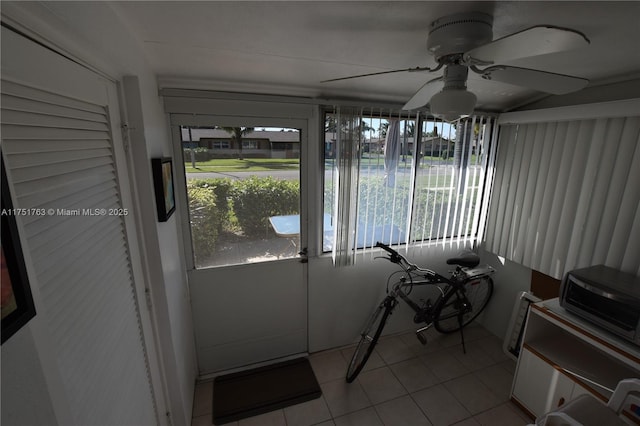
column 243, row 189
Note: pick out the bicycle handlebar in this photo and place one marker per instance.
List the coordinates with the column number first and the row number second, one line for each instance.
column 399, row 259
column 394, row 256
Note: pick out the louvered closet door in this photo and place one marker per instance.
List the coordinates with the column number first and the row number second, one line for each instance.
column 59, row 155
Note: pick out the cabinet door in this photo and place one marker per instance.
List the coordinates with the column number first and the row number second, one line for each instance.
column 538, row 386
column 579, row 390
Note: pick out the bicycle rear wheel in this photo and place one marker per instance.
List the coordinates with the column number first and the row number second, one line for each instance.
column 369, row 337
column 477, row 292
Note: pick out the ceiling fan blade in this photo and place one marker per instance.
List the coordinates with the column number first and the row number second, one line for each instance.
column 423, row 95
column 556, row 84
column 534, row 41
column 414, row 69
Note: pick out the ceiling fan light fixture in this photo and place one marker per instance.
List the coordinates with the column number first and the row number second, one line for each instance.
column 451, row 104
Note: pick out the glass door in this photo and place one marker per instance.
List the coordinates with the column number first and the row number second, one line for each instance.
column 242, row 192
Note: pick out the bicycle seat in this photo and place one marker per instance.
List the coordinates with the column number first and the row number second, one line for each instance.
column 466, row 259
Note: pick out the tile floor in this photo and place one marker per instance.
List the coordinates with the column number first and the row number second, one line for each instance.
column 403, row 383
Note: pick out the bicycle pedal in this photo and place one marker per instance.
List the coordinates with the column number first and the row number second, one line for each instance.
column 421, row 338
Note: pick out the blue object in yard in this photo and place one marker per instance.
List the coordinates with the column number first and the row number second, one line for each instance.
column 286, row 226
column 289, row 225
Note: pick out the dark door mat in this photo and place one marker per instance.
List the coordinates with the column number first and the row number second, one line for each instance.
column 260, row 390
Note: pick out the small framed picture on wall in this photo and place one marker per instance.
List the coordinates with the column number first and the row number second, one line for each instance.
column 162, row 169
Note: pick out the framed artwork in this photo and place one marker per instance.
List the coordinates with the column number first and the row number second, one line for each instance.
column 163, row 182
column 17, row 306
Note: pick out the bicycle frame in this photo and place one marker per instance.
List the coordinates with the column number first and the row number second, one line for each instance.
column 432, row 279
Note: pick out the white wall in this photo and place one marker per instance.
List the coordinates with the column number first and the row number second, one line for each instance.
column 509, row 279
column 94, row 33
column 25, row 396
column 169, row 292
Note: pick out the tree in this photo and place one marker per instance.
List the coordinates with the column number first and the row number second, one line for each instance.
column 330, row 124
column 410, row 129
column 237, row 133
column 433, row 133
column 364, row 127
column 384, row 126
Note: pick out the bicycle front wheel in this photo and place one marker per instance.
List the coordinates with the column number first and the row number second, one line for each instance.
column 369, row 337
column 447, row 314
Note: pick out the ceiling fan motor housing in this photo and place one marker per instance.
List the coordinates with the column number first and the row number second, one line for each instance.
column 459, row 33
column 455, row 77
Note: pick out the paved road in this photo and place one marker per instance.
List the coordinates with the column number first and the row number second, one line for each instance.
column 278, row 174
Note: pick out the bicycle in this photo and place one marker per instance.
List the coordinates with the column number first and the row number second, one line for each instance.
column 462, row 297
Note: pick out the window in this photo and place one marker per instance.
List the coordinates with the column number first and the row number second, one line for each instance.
column 244, row 204
column 250, row 144
column 416, row 180
column 220, row 145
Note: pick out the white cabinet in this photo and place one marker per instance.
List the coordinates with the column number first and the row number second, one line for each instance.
column 563, row 357
column 578, row 390
column 540, row 387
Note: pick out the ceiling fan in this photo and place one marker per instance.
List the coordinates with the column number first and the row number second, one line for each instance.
column 464, row 42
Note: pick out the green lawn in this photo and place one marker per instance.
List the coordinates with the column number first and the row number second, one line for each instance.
column 249, row 164
column 267, row 164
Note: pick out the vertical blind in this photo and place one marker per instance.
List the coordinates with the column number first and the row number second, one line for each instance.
column 566, row 195
column 402, row 179
column 346, row 191
column 453, row 171
column 60, row 157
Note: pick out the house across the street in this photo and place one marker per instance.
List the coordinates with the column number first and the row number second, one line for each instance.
column 258, row 143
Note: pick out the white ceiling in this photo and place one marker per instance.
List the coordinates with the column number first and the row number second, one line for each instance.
column 288, row 48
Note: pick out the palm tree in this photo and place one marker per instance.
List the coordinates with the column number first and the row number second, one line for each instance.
column 364, row 127
column 411, row 129
column 330, row 124
column 384, row 126
column 236, row 135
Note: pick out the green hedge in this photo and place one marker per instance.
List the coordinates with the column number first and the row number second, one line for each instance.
column 222, row 188
column 382, row 205
column 223, row 204
column 256, row 199
column 205, row 222
column 201, row 154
